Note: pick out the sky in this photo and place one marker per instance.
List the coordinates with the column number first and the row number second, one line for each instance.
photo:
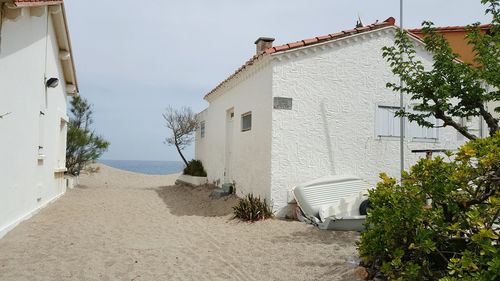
column 135, row 58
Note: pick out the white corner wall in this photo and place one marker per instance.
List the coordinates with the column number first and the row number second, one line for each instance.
column 331, row 128
column 28, row 181
column 251, row 157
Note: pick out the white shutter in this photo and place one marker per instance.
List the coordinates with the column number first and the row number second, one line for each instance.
column 387, row 124
column 420, row 132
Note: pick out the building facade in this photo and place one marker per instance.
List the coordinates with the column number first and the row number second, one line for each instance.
column 309, row 109
column 36, row 77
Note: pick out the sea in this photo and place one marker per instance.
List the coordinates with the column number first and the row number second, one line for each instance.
column 146, row 167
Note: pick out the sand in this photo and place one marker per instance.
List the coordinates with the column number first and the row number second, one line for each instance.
column 124, row 226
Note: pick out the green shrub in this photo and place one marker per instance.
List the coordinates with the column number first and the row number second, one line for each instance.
column 195, row 168
column 252, row 208
column 455, row 238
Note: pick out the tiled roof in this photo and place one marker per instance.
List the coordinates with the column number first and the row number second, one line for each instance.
column 306, row 42
column 455, row 28
column 21, row 3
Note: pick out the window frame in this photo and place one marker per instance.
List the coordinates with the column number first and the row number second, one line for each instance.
column 202, row 129
column 414, row 126
column 246, row 114
column 378, row 127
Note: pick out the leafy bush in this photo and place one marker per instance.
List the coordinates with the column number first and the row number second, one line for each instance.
column 252, row 208
column 456, row 237
column 195, row 169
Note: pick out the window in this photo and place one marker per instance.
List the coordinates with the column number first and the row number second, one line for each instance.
column 387, row 124
column 420, row 132
column 202, row 129
column 246, row 121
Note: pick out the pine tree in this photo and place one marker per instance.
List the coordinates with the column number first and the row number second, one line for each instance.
column 83, row 145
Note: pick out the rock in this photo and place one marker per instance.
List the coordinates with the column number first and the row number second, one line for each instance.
column 219, row 193
column 227, row 187
column 362, row 273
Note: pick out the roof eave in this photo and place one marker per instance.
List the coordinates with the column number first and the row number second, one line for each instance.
column 60, row 22
column 70, row 50
column 450, row 29
column 36, row 3
column 300, row 44
column 217, row 91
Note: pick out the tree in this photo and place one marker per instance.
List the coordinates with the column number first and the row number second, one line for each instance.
column 84, row 146
column 441, row 221
column 183, row 123
column 450, row 90
column 456, row 236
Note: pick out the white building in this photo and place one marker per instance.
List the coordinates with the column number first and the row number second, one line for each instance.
column 308, row 109
column 36, row 76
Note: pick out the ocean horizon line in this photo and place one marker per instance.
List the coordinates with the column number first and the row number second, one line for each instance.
column 150, row 167
column 139, row 160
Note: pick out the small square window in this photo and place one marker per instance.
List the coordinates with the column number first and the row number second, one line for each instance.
column 202, row 129
column 387, row 123
column 246, row 121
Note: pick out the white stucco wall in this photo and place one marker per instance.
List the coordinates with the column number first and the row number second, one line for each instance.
column 251, row 157
column 27, row 180
column 336, row 89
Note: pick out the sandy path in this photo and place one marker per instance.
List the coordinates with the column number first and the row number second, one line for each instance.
column 124, row 226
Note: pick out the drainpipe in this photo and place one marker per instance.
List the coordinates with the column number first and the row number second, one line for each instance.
column 1, row 23
column 401, row 106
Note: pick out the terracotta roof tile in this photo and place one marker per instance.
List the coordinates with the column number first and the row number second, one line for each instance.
column 449, row 28
column 269, row 51
column 324, row 37
column 281, row 48
column 21, row 3
column 364, row 28
column 310, row 41
column 296, row 44
column 337, row 35
column 306, row 42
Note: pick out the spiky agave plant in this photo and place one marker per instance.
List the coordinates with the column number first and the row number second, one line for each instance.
column 252, row 208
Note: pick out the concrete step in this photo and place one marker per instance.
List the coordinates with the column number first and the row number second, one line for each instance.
column 219, row 193
column 228, row 187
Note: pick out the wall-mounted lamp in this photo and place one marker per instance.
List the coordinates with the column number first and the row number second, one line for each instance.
column 52, row 82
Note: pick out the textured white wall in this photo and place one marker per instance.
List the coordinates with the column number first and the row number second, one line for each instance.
column 24, row 179
column 251, row 149
column 331, row 129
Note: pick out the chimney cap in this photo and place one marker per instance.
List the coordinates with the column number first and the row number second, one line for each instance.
column 265, row 39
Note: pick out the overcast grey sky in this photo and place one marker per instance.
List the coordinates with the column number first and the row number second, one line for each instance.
column 134, row 58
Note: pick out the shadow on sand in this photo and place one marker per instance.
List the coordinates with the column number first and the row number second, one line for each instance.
column 313, row 235
column 184, row 200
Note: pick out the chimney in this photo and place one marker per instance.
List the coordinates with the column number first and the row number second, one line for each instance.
column 264, row 43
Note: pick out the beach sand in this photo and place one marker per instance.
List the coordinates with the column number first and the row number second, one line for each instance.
column 119, row 225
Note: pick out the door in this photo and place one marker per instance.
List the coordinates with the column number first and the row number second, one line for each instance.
column 229, row 146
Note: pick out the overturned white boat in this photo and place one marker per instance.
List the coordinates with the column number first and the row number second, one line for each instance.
column 334, row 202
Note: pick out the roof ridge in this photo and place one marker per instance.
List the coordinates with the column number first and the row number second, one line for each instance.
column 306, row 42
column 450, row 28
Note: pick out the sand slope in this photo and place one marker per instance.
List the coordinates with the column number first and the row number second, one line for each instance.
column 125, row 226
